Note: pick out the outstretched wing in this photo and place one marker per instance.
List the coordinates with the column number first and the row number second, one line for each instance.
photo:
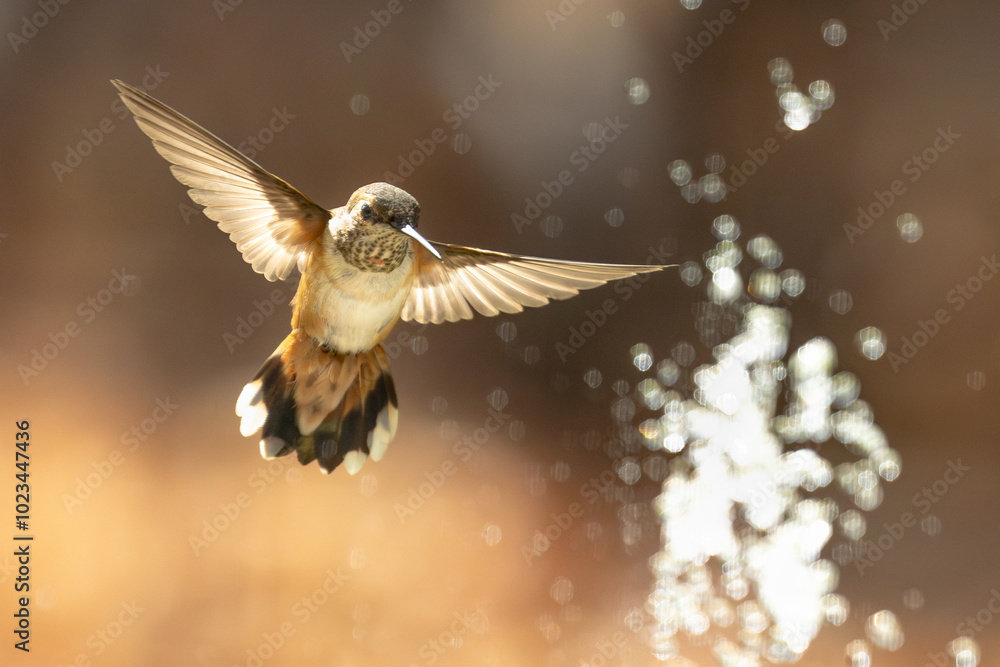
column 467, row 280
column 272, row 223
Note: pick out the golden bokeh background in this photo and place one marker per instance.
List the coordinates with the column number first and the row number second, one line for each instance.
column 161, row 537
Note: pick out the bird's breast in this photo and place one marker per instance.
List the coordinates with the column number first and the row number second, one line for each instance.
column 347, row 308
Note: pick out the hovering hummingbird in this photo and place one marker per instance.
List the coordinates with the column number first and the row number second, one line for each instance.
column 326, row 392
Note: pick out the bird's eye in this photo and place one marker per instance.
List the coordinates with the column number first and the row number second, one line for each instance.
column 366, row 211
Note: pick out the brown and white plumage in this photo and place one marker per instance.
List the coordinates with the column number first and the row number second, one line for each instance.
column 326, row 392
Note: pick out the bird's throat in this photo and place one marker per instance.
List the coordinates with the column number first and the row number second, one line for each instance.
column 374, row 249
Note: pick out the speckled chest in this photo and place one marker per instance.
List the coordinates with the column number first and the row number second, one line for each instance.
column 351, row 308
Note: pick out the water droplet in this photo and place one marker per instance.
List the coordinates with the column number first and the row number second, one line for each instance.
column 765, row 250
column 562, row 590
column 532, row 354
column 461, row 143
column 726, row 285
column 821, row 93
column 439, row 405
column 629, row 177
column 793, row 282
column 870, row 341
column 616, row 18
column 691, row 4
column 358, row 559
column 655, row 468
column 552, row 226
column 683, row 353
column 492, row 534
column 797, row 120
column 965, row 651
column 680, row 172
column 360, row 104
column 888, row 462
column 594, row 130
column 834, row 32
column 638, row 90
column 715, row 163
column 623, row 410
column 507, row 331
column 976, row 380
column 560, row 471
column 691, row 193
column 667, row 372
column 910, row 228
column 498, row 399
column 516, row 430
column 845, row 388
column 593, row 378
column 859, row 654
column 712, row 187
column 615, row 217
column 691, row 273
column 726, row 228
column 835, row 608
column 652, row 393
column 418, row 344
column 931, row 525
column 792, row 100
column 853, row 524
column 765, row 285
column 841, row 302
column 629, row 470
column 642, row 356
column 913, row 599
column 369, row 485
column 884, row 630
column 780, row 70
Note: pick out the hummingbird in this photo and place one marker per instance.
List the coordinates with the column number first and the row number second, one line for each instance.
column 326, row 393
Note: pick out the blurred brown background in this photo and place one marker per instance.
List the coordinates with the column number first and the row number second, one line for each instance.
column 299, row 569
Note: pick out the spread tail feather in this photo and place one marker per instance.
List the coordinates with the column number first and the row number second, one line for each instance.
column 325, row 406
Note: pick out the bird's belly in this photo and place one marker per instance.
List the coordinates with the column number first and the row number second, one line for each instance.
column 353, row 314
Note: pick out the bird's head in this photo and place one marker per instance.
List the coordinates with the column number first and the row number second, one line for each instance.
column 381, row 211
